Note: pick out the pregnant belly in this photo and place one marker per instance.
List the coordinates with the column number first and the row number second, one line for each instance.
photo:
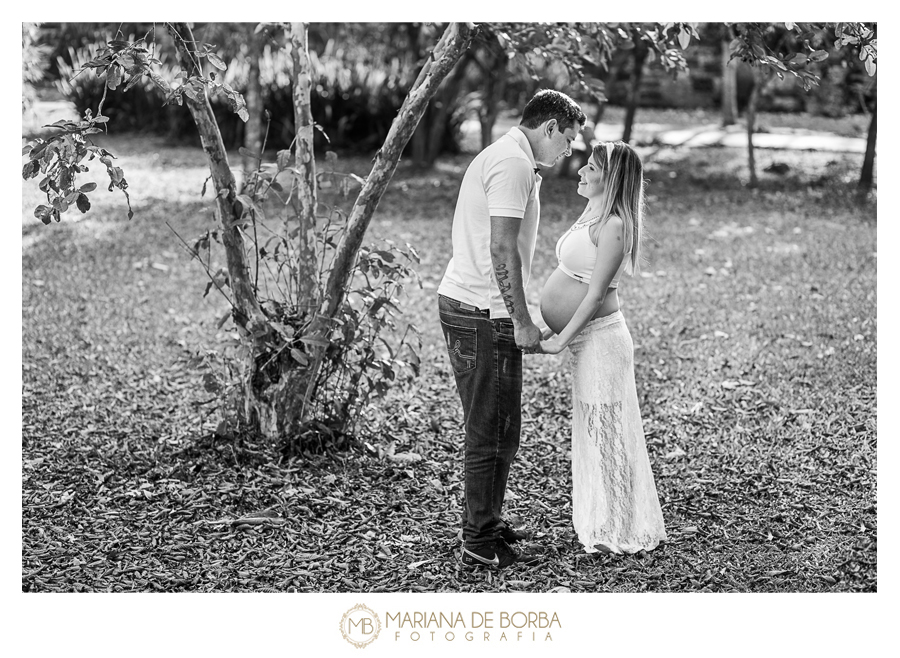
column 561, row 297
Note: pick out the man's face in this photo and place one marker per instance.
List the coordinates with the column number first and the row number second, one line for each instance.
column 555, row 143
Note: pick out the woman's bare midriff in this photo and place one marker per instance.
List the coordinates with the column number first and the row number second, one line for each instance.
column 561, row 297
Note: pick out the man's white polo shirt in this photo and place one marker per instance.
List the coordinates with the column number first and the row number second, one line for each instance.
column 500, row 181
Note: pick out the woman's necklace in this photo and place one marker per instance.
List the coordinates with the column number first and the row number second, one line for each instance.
column 585, row 220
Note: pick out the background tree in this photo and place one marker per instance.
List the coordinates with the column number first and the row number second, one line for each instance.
column 774, row 49
column 255, row 37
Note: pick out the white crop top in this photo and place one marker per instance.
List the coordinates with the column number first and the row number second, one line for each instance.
column 577, row 255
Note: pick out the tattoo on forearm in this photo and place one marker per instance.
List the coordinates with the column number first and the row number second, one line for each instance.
column 505, row 287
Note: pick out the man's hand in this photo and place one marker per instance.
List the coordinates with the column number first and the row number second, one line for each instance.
column 528, row 337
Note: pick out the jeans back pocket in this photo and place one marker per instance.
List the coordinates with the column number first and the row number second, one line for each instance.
column 461, row 346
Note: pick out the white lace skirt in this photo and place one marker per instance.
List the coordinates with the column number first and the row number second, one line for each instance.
column 615, row 507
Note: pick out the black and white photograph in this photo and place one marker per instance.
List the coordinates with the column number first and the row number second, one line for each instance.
column 520, row 308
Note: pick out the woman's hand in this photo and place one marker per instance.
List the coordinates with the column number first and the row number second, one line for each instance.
column 551, row 347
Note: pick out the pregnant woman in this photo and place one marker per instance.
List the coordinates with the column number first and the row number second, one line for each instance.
column 614, row 501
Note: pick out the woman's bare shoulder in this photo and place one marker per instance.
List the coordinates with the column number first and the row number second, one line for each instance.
column 613, row 226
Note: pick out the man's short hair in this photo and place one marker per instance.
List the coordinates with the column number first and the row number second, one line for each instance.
column 550, row 104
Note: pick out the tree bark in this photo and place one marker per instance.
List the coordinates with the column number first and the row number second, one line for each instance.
column 304, row 192
column 247, row 311
column 253, row 129
column 637, row 76
column 729, row 85
column 760, row 79
column 867, row 177
column 247, row 314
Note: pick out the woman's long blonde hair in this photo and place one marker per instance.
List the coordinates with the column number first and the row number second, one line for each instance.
column 624, row 195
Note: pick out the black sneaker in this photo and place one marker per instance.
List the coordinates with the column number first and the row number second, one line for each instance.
column 507, row 534
column 496, row 554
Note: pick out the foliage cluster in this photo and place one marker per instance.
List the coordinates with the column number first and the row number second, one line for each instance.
column 353, row 101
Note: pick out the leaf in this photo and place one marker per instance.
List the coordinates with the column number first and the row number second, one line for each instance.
column 870, row 67
column 315, row 341
column 210, row 383
column 42, row 212
column 82, row 203
column 406, row 457
column 285, row 330
column 299, row 357
column 87, row 187
column 114, row 77
column 283, row 159
column 216, row 61
column 684, row 39
column 223, row 319
column 818, row 56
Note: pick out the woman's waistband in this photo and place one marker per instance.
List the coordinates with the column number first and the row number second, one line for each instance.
column 598, row 324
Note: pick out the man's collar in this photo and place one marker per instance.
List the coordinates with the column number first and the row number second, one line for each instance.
column 523, row 143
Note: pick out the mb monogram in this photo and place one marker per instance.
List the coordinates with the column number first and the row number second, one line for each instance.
column 360, row 626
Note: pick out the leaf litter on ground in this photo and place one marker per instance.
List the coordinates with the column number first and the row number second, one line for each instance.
column 767, row 484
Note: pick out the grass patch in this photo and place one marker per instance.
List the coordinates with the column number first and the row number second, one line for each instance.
column 755, row 331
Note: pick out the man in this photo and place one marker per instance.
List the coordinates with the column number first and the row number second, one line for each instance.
column 483, row 314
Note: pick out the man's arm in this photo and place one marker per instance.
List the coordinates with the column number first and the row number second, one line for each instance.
column 508, row 272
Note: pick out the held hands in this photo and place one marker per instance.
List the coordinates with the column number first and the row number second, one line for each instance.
column 528, row 337
column 547, row 345
column 551, row 347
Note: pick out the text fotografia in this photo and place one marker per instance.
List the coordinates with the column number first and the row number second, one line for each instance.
column 480, row 626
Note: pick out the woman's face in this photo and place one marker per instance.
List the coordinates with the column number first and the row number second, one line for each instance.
column 593, row 181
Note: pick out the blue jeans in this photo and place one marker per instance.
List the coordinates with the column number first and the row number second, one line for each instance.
column 488, row 370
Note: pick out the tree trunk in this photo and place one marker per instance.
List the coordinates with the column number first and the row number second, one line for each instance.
column 246, row 307
column 614, row 65
column 249, row 318
column 253, row 129
column 637, row 76
column 729, row 86
column 304, row 193
column 760, row 79
column 867, row 177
